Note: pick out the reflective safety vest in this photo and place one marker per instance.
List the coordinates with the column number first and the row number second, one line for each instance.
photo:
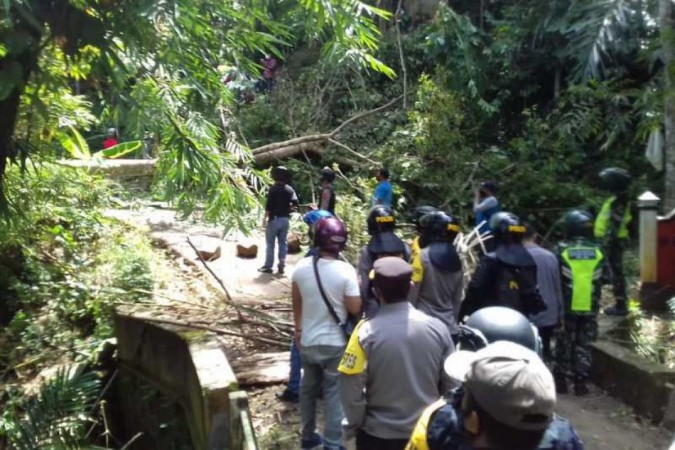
column 605, row 216
column 582, row 271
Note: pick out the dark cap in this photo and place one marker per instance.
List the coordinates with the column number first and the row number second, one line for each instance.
column 391, row 276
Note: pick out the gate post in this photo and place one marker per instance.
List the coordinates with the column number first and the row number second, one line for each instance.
column 648, row 204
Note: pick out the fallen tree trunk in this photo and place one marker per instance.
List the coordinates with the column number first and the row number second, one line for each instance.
column 313, row 142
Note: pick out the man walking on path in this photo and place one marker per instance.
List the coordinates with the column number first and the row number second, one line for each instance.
column 384, row 194
column 323, row 288
column 280, row 199
column 393, row 366
column 550, row 288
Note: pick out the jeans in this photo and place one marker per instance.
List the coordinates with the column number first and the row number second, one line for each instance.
column 277, row 229
column 320, row 363
column 296, row 365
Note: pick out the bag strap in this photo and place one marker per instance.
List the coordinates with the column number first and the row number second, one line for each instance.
column 331, row 310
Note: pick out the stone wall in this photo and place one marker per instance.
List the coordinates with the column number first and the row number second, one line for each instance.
column 191, row 368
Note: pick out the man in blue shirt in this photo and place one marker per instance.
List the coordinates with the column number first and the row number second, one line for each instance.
column 383, row 194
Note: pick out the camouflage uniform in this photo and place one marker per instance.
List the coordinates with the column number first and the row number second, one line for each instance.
column 581, row 262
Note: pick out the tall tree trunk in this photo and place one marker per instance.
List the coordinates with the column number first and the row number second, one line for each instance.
column 668, row 50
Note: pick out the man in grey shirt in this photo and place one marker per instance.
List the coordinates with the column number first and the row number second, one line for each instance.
column 393, row 365
column 550, row 288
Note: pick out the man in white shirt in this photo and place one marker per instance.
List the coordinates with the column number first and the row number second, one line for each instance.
column 324, row 291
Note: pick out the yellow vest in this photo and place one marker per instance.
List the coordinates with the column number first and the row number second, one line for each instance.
column 605, row 216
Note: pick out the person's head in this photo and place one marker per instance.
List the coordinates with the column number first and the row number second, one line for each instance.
column 507, row 228
column 497, row 323
column 577, row 223
column 488, row 188
column 382, row 174
column 438, row 226
column 380, row 219
column 327, row 175
column 615, row 180
column 111, row 133
column 530, row 235
column 330, row 235
column 391, row 279
column 420, row 211
column 312, row 217
column 281, row 174
column 509, row 396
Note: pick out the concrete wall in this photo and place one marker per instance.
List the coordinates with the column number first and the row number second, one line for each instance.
column 644, row 385
column 191, row 368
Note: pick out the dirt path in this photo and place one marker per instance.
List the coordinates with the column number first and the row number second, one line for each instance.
column 603, row 422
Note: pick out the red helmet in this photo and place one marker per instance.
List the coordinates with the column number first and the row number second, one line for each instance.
column 330, row 235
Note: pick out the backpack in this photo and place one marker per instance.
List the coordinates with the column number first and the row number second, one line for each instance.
column 517, row 289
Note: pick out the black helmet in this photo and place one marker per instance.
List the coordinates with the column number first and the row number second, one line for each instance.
column 577, row 223
column 507, row 228
column 419, row 212
column 615, row 180
column 327, row 174
column 439, row 226
column 380, row 219
column 281, row 173
column 497, row 323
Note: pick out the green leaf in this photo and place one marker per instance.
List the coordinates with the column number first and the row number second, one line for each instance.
column 75, row 144
column 121, row 149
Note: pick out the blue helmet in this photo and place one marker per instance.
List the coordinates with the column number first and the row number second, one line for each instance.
column 312, row 217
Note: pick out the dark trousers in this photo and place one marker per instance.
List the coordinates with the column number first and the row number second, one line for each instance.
column 546, row 333
column 614, row 253
column 573, row 346
column 365, row 441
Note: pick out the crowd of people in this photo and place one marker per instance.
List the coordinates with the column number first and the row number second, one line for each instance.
column 405, row 356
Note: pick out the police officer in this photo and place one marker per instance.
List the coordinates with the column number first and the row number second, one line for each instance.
column 441, row 427
column 393, row 365
column 581, row 262
column 507, row 276
column 611, row 230
column 437, row 271
column 383, row 242
column 418, row 213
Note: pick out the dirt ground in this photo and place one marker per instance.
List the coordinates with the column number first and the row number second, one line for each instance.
column 603, row 422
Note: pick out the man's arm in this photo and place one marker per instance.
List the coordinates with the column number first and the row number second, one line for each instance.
column 353, row 370
column 297, row 312
column 485, row 204
column 478, row 289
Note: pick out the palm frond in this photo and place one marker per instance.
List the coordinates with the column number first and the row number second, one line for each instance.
column 596, row 30
column 58, row 417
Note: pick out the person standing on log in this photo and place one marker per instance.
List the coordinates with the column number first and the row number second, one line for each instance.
column 581, row 263
column 324, row 290
column 393, row 365
column 280, row 199
column 327, row 199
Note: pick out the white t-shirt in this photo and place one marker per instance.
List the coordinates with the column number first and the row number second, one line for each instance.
column 338, row 279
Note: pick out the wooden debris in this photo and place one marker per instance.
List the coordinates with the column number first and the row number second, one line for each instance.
column 293, row 244
column 244, row 251
column 261, row 368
